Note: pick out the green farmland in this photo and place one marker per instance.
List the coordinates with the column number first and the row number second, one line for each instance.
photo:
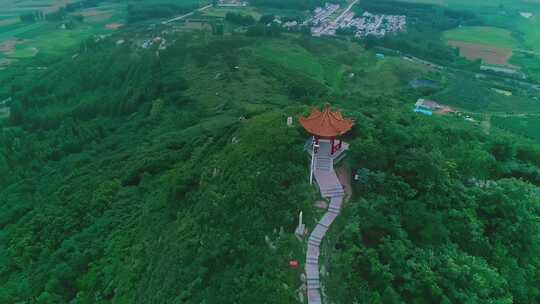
column 483, row 35
column 19, row 40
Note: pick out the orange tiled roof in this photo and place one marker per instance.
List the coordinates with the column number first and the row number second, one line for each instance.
column 326, row 124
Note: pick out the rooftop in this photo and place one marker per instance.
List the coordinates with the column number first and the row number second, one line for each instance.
column 326, row 124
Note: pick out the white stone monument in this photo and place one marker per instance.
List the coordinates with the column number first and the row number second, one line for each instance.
column 300, row 230
column 289, row 121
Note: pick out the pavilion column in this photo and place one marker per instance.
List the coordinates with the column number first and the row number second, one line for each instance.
column 339, row 145
column 332, row 144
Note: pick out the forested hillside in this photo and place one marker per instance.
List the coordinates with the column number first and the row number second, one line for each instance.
column 122, row 184
column 133, row 175
column 441, row 216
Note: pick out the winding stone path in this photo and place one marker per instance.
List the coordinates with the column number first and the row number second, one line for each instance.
column 330, row 187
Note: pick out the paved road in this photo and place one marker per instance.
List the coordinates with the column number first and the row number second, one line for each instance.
column 503, row 115
column 334, row 24
column 186, row 15
column 346, row 11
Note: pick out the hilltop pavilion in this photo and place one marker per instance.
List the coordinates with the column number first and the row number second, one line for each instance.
column 328, row 126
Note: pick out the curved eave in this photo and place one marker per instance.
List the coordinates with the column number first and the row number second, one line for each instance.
column 326, row 124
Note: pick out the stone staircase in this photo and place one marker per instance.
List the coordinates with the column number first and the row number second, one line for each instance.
column 326, row 178
column 330, row 187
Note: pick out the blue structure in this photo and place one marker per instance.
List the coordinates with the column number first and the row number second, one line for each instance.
column 422, row 111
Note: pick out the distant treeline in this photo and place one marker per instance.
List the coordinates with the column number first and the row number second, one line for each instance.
column 59, row 14
column 239, row 19
column 32, row 17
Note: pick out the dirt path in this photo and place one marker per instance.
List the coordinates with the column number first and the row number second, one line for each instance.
column 503, row 115
column 344, row 176
column 486, row 124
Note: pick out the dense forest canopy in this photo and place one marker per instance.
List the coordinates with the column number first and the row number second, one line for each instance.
column 133, row 174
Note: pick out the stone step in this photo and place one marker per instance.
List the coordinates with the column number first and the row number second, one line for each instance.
column 314, row 243
column 332, row 187
column 333, row 191
column 333, row 211
column 315, row 237
column 312, row 260
column 332, row 194
column 324, row 161
column 313, row 252
column 323, row 166
column 320, row 232
column 324, row 169
column 323, row 225
column 335, row 206
column 314, row 285
column 322, row 228
column 312, row 277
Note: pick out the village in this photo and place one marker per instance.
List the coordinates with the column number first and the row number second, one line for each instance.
column 231, row 3
column 377, row 25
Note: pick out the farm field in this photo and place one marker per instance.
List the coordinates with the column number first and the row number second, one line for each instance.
column 484, row 35
column 492, row 45
column 222, row 11
column 509, row 28
column 255, row 12
column 51, row 38
column 488, row 54
column 11, row 10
